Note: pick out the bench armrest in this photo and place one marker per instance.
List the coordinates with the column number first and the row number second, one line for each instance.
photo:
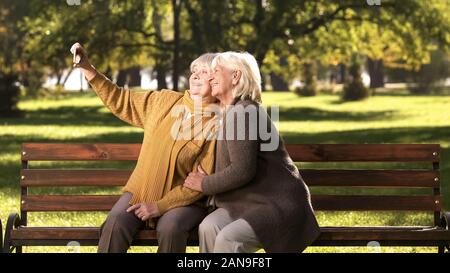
column 13, row 222
column 445, row 220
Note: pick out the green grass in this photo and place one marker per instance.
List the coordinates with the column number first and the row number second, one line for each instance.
column 81, row 118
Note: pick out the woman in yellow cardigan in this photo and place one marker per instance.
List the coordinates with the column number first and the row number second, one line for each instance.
column 155, row 189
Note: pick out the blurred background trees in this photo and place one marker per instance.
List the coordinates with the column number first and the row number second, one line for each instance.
column 307, row 46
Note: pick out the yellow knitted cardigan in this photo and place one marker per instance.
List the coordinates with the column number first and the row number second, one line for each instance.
column 164, row 161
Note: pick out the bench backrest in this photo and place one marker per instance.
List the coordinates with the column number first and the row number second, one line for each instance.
column 426, row 178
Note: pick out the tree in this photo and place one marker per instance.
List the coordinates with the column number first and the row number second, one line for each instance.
column 397, row 31
column 11, row 12
column 282, row 35
column 354, row 88
column 309, row 78
column 430, row 77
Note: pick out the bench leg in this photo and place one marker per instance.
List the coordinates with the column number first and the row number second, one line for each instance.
column 445, row 224
column 13, row 222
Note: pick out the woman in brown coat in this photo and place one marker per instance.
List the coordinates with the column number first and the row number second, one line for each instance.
column 259, row 197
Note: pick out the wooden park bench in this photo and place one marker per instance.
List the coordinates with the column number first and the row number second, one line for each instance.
column 18, row 233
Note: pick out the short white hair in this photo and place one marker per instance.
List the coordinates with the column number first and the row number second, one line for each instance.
column 249, row 85
column 204, row 59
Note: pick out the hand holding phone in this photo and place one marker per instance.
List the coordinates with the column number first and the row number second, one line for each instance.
column 80, row 60
column 78, row 54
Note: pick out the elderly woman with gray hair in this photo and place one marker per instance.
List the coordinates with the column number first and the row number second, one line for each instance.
column 154, row 194
column 259, row 197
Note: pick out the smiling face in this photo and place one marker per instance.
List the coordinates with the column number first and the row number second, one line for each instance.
column 199, row 85
column 222, row 83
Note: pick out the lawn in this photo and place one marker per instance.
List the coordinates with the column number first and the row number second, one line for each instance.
column 81, row 118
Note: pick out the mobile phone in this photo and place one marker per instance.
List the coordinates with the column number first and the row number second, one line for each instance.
column 76, row 58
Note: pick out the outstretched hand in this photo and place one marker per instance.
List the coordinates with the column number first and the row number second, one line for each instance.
column 80, row 60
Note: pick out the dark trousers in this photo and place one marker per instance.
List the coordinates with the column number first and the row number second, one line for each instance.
column 173, row 228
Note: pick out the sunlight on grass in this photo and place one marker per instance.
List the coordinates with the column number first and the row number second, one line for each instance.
column 81, row 118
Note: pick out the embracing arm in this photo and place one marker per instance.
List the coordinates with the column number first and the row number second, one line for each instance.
column 242, row 169
column 243, row 156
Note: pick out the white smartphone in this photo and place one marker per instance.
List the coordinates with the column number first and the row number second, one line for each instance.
column 76, row 58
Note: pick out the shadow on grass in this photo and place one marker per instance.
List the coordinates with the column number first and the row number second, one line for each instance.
column 380, row 135
column 66, row 116
column 314, row 114
column 92, row 116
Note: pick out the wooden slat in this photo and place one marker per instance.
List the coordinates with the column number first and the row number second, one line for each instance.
column 364, row 152
column 376, row 203
column 371, row 178
column 383, row 234
column 327, row 233
column 56, row 233
column 74, row 233
column 313, row 177
column 73, row 152
column 298, row 152
column 68, row 202
column 320, row 202
column 73, row 177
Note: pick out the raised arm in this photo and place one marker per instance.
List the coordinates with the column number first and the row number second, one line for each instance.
column 129, row 106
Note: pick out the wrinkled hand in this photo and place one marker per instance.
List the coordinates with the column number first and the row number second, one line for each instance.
column 145, row 211
column 81, row 60
column 80, row 56
column 194, row 180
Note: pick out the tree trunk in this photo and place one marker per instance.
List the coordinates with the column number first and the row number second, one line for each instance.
column 109, row 73
column 130, row 77
column 263, row 82
column 161, row 77
column 342, row 73
column 121, row 77
column 375, row 69
column 134, row 76
column 161, row 58
column 58, row 74
column 176, row 5
column 67, row 76
column 260, row 60
column 278, row 83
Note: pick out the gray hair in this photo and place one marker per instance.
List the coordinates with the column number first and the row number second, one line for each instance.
column 204, row 59
column 249, row 85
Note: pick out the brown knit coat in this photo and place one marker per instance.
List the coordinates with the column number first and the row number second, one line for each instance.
column 264, row 188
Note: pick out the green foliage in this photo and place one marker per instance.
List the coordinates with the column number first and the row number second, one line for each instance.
column 122, row 34
column 400, row 33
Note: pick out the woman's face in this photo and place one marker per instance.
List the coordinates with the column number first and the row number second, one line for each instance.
column 199, row 81
column 221, row 82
